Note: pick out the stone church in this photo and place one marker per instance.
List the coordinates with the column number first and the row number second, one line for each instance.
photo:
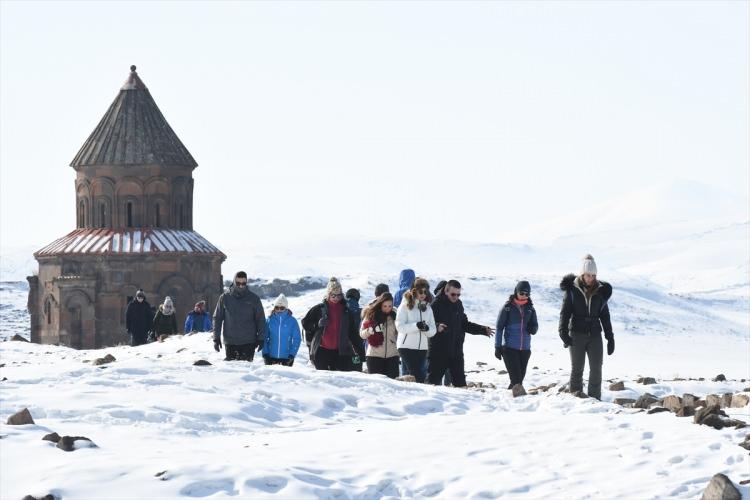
column 134, row 229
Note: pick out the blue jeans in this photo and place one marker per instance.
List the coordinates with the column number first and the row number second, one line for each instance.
column 413, row 362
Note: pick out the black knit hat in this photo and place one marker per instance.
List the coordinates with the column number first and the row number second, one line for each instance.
column 523, row 286
column 352, row 293
column 381, row 289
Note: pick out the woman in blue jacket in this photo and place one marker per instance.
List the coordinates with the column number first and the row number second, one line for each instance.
column 516, row 323
column 283, row 336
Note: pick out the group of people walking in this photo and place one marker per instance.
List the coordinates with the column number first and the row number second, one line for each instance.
column 415, row 332
column 144, row 324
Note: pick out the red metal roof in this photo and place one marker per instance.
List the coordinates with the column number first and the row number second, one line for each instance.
column 142, row 240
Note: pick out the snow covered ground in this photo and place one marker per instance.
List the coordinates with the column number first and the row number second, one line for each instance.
column 168, row 429
column 243, row 430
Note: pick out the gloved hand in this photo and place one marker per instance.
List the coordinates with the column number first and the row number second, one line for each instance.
column 217, row 345
column 499, row 353
column 376, row 339
column 567, row 339
column 423, row 326
column 323, row 322
column 610, row 344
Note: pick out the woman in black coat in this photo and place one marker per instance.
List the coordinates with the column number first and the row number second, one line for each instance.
column 583, row 317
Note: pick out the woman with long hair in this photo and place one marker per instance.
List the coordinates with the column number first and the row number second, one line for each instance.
column 379, row 329
column 415, row 324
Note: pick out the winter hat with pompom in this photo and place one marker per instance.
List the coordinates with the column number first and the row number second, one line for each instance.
column 281, row 301
column 589, row 266
column 333, row 287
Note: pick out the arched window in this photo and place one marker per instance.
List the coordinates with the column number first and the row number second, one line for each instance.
column 81, row 214
column 102, row 215
column 48, row 311
column 129, row 214
column 157, row 215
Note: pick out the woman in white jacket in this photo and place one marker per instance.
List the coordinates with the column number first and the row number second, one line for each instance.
column 415, row 324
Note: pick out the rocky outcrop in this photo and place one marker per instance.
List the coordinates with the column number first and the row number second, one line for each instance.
column 279, row 286
column 645, row 401
column 626, row 402
column 103, row 361
column 68, row 443
column 721, row 488
column 672, row 403
column 617, row 386
column 22, row 417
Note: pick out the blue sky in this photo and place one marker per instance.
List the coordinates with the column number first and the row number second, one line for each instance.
column 423, row 120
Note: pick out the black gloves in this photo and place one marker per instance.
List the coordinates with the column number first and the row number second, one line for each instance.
column 422, row 326
column 217, row 345
column 499, row 353
column 610, row 344
column 323, row 322
column 567, row 340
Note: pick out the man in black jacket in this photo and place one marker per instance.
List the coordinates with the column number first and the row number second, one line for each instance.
column 446, row 347
column 240, row 317
column 138, row 318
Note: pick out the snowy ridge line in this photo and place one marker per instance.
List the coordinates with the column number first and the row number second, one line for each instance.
column 130, row 241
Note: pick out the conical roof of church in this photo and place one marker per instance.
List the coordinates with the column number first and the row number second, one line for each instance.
column 133, row 132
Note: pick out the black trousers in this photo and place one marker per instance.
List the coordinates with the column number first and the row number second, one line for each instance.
column 413, row 363
column 584, row 346
column 278, row 361
column 330, row 359
column 383, row 366
column 437, row 365
column 242, row 352
column 138, row 338
column 516, row 362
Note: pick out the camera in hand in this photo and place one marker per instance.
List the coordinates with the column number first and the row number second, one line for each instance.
column 422, row 326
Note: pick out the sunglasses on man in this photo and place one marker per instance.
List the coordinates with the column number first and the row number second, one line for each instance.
column 279, row 308
column 241, row 283
column 523, row 294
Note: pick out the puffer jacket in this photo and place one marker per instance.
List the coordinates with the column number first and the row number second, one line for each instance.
column 349, row 341
column 240, row 317
column 405, row 280
column 165, row 324
column 283, row 336
column 581, row 314
column 515, row 325
column 409, row 336
column 388, row 348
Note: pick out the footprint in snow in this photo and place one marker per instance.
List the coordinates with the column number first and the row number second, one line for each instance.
column 268, row 484
column 207, row 488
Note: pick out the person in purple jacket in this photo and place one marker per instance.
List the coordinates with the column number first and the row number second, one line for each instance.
column 516, row 323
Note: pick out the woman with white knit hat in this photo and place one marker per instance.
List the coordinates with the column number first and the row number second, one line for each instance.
column 283, row 337
column 583, row 317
